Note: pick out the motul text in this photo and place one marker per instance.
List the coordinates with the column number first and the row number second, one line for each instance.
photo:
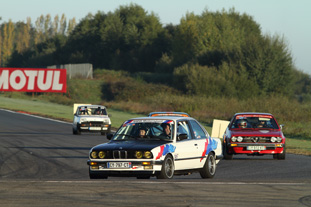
column 33, row 80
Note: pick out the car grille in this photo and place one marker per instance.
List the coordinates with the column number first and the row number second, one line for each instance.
column 120, row 154
column 257, row 139
column 92, row 123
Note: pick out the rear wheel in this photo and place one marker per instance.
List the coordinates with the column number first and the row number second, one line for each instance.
column 209, row 168
column 168, row 168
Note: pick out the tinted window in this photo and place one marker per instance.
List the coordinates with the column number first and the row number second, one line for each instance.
column 197, row 130
column 183, row 128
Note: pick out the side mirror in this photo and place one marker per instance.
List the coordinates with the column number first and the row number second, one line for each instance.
column 282, row 125
column 109, row 136
column 182, row 137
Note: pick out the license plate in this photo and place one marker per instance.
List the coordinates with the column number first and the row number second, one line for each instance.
column 119, row 164
column 94, row 128
column 256, row 147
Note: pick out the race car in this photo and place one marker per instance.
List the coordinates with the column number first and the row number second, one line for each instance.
column 90, row 118
column 254, row 134
column 156, row 146
column 163, row 113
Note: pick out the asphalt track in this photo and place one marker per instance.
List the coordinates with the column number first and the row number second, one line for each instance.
column 43, row 164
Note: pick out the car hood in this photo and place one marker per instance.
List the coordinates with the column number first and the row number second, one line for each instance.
column 94, row 118
column 130, row 145
column 259, row 133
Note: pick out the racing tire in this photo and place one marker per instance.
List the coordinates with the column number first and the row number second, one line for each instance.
column 227, row 156
column 168, row 168
column 78, row 131
column 209, row 168
column 280, row 156
column 97, row 175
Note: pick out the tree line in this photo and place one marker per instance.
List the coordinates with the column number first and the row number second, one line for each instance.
column 221, row 53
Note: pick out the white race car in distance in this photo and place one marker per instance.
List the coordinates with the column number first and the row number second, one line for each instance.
column 90, row 118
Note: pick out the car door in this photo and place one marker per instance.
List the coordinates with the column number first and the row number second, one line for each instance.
column 187, row 154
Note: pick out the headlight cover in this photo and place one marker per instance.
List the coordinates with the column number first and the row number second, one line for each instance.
column 233, row 139
column 147, row 154
column 94, row 154
column 240, row 139
column 102, row 154
column 138, row 154
column 273, row 139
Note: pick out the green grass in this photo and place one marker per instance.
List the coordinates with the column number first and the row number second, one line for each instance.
column 58, row 111
column 62, row 112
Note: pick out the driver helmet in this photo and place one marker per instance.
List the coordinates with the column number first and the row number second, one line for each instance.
column 242, row 123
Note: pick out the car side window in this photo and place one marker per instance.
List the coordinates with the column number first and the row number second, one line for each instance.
column 183, row 128
column 197, row 130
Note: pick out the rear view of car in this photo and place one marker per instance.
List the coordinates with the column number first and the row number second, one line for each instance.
column 254, row 134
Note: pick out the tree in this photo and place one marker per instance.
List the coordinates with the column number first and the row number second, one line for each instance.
column 7, row 41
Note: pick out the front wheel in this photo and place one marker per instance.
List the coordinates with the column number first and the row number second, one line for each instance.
column 227, row 156
column 209, row 168
column 280, row 156
column 97, row 175
column 168, row 168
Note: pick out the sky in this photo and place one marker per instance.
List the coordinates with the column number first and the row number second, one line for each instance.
column 286, row 18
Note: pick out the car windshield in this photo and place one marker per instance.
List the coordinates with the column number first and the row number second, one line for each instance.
column 145, row 130
column 92, row 111
column 254, row 122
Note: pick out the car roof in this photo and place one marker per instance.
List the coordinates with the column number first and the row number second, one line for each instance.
column 169, row 113
column 175, row 118
column 252, row 113
column 92, row 106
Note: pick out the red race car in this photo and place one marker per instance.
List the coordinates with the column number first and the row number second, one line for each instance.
column 254, row 134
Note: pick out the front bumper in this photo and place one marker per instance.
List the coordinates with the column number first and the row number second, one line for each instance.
column 141, row 167
column 106, row 128
column 255, row 148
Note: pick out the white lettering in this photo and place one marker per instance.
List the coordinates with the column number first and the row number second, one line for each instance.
column 22, row 79
column 56, row 84
column 48, row 82
column 4, row 80
column 31, row 81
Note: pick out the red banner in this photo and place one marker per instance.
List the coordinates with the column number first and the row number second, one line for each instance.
column 33, row 80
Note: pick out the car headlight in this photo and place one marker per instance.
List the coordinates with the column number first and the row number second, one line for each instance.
column 233, row 139
column 102, row 154
column 138, row 154
column 279, row 139
column 94, row 155
column 240, row 139
column 273, row 139
column 147, row 154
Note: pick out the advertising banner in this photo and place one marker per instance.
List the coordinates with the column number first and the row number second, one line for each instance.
column 33, row 80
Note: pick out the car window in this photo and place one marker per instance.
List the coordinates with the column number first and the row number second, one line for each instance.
column 197, row 130
column 255, row 122
column 183, row 128
column 153, row 129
